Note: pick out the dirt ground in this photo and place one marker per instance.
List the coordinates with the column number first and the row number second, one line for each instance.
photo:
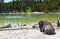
column 28, row 34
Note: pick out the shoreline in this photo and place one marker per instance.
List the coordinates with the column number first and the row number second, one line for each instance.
column 20, row 27
column 31, row 13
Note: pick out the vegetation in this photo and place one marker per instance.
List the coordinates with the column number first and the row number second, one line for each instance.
column 40, row 6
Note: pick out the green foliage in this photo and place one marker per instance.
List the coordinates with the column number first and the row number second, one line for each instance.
column 28, row 9
column 31, row 5
column 36, row 7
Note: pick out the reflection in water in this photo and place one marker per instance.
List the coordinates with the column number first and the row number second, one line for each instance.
column 14, row 17
column 6, row 24
column 15, row 20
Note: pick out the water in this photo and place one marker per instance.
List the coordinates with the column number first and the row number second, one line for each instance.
column 15, row 19
column 26, row 18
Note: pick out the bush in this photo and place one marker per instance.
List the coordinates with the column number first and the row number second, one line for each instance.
column 28, row 9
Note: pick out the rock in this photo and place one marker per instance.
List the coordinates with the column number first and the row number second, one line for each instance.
column 7, row 26
column 23, row 24
column 35, row 26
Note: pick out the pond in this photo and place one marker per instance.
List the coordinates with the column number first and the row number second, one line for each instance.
column 26, row 18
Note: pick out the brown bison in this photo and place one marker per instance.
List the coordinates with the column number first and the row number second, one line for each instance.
column 46, row 27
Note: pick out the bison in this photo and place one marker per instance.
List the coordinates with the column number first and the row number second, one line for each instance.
column 46, row 27
column 58, row 23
